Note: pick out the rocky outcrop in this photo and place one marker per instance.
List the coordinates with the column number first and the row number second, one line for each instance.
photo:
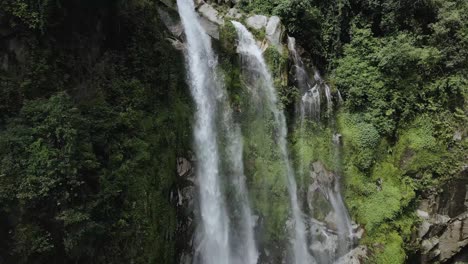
column 333, row 234
column 210, row 19
column 257, row 22
column 274, row 32
column 211, row 14
column 443, row 232
column 355, row 256
column 184, row 200
column 172, row 23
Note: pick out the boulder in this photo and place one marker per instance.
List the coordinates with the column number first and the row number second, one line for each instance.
column 184, row 167
column 355, row 256
column 211, row 14
column 257, row 21
column 211, row 28
column 274, row 32
column 320, row 175
column 176, row 43
column 233, row 13
column 210, row 20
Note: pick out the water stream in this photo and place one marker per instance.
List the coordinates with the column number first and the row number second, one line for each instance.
column 215, row 242
column 255, row 64
column 335, row 243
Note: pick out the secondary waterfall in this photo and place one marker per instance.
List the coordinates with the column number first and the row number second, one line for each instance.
column 214, row 243
column 311, row 90
column 327, row 245
column 255, row 65
column 243, row 248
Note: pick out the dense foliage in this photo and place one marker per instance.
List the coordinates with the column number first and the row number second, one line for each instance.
column 94, row 111
column 91, row 124
column 401, row 67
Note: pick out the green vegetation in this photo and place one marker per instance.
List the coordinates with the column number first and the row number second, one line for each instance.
column 401, row 67
column 263, row 164
column 90, row 127
column 94, row 111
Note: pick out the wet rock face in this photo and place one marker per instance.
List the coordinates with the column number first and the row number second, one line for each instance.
column 443, row 233
column 332, row 233
column 184, row 200
column 355, row 256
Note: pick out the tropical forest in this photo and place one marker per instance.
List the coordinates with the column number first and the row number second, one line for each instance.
column 233, row 131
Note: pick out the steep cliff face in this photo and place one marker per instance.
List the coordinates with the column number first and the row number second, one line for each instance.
column 443, row 233
column 384, row 178
column 96, row 160
column 91, row 126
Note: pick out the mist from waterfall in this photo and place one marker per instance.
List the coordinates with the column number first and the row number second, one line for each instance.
column 214, row 242
column 327, row 251
column 255, row 65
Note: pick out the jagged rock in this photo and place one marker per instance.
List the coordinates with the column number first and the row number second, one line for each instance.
column 355, row 256
column 257, row 21
column 210, row 20
column 428, row 244
column 211, row 14
column 321, row 175
column 422, row 214
column 444, row 229
column 424, row 228
column 234, row 13
column 455, row 238
column 184, row 167
column 176, row 44
column 274, row 32
column 171, row 24
column 330, row 220
column 211, row 28
column 186, row 198
column 358, row 233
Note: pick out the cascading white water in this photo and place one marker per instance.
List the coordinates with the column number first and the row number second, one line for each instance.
column 252, row 54
column 213, row 245
column 244, row 250
column 343, row 222
column 310, row 90
column 310, row 100
column 331, row 191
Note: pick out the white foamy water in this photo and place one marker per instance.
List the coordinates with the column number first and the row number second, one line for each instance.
column 256, row 66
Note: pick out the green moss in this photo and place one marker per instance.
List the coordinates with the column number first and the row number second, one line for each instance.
column 360, row 140
column 228, row 38
column 313, row 142
column 388, row 249
column 417, row 148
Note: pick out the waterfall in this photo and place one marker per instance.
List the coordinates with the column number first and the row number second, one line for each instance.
column 327, row 251
column 244, row 250
column 255, row 63
column 310, row 100
column 214, row 243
